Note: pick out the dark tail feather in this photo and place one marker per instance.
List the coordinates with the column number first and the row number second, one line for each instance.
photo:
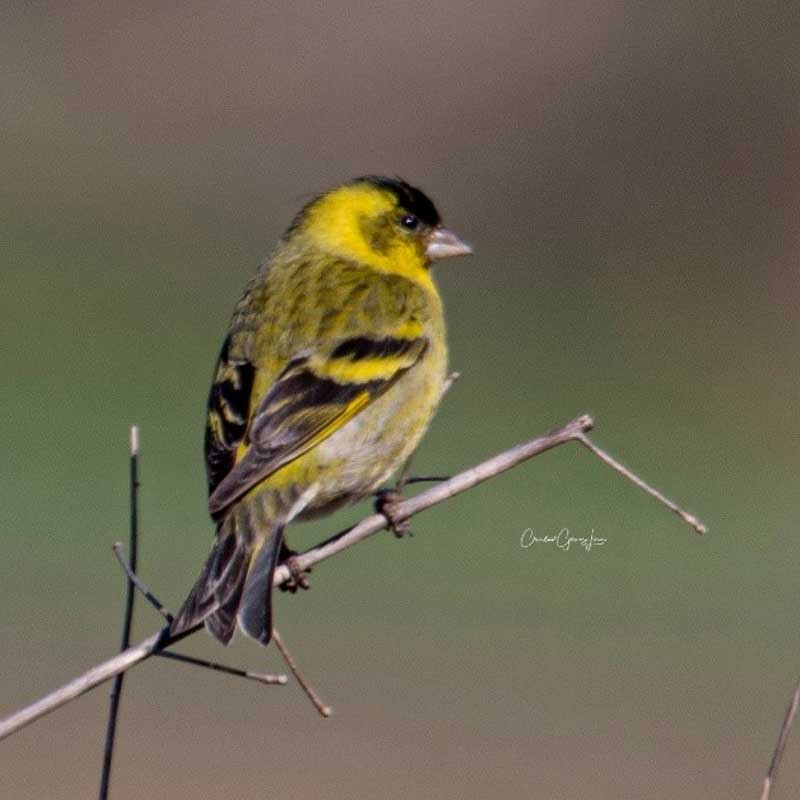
column 255, row 610
column 217, row 592
column 221, row 623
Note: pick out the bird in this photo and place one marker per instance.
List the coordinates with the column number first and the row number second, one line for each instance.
column 331, row 370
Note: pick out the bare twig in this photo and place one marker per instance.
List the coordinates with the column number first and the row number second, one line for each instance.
column 777, row 755
column 137, row 582
column 261, row 677
column 367, row 527
column 689, row 519
column 116, row 690
column 324, row 710
column 448, row 383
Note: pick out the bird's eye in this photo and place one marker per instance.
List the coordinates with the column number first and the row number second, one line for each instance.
column 409, row 221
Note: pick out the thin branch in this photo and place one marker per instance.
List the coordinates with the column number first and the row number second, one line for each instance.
column 137, row 582
column 689, row 519
column 448, row 383
column 777, row 755
column 116, row 690
column 324, row 710
column 370, row 525
column 261, row 677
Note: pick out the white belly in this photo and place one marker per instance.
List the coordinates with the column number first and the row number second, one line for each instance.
column 360, row 457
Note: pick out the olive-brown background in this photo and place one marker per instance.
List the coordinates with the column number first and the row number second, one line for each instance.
column 628, row 175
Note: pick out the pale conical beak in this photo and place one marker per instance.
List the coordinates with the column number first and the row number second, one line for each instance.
column 443, row 243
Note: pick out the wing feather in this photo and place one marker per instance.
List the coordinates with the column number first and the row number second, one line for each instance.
column 314, row 396
column 228, row 407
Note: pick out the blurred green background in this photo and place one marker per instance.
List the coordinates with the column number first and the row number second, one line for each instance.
column 628, row 174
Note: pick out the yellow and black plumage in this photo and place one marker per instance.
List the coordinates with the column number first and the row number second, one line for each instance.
column 332, row 368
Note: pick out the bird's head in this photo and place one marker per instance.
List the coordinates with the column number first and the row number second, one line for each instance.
column 381, row 222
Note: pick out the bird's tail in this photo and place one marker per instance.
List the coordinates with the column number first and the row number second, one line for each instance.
column 236, row 582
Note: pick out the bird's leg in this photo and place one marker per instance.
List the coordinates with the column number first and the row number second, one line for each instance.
column 299, row 577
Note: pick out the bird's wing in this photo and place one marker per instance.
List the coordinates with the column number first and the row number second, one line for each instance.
column 228, row 411
column 314, row 396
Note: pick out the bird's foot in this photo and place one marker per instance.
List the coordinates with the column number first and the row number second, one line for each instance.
column 386, row 502
column 299, row 576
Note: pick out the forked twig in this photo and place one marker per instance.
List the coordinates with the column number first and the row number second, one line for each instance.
column 502, row 462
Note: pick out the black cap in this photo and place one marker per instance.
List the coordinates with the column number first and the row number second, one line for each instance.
column 408, row 197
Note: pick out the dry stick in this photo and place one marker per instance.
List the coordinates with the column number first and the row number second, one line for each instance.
column 367, row 527
column 261, row 677
column 777, row 755
column 689, row 519
column 137, row 582
column 116, row 691
column 324, row 710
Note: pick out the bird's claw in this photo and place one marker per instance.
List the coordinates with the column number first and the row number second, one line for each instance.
column 299, row 576
column 386, row 502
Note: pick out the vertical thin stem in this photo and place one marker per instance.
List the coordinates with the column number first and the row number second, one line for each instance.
column 116, row 690
column 777, row 755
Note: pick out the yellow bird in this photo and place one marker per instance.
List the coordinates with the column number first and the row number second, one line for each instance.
column 332, row 368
